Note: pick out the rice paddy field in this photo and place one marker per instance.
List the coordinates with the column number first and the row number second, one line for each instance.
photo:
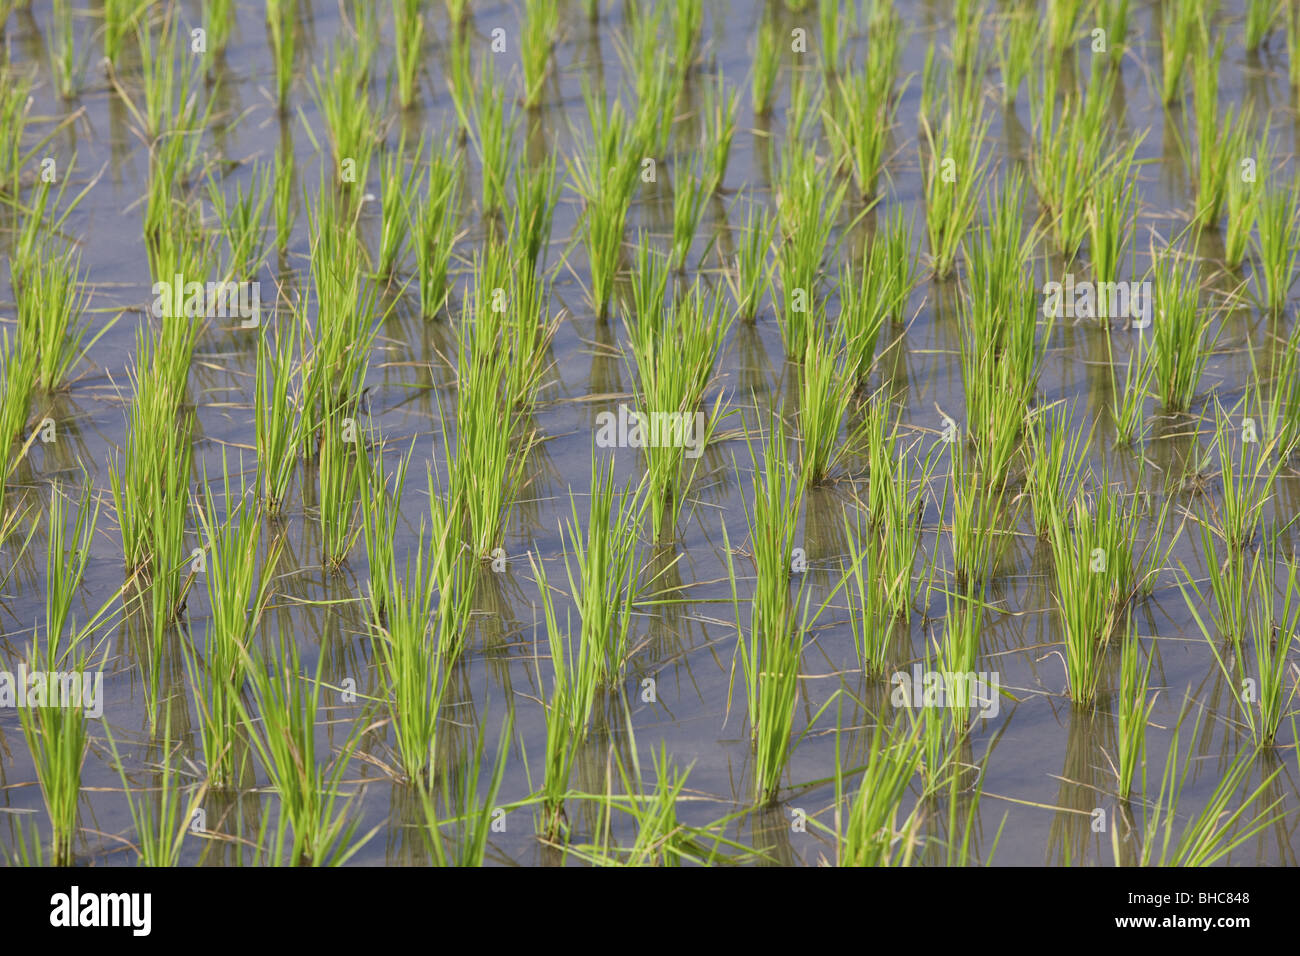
column 597, row 433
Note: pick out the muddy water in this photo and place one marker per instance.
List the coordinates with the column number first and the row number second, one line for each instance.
column 1047, row 764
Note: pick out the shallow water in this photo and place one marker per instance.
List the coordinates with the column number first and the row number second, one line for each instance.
column 1047, row 765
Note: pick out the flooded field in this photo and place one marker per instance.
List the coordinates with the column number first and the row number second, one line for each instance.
column 565, row 433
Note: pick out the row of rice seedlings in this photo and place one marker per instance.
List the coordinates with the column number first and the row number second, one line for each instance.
column 748, row 274
column 953, row 168
column 1212, row 834
column 770, row 656
column 1277, row 244
column 1070, row 154
column 825, row 391
column 878, row 289
column 1220, row 139
column 431, row 214
column 807, row 214
column 315, row 825
column 237, row 598
column 1180, row 347
column 240, row 220
column 604, row 179
column 1179, row 25
column 1134, row 713
column 1092, row 550
column 1018, row 36
column 861, row 117
column 675, row 357
column 1257, row 674
column 58, row 737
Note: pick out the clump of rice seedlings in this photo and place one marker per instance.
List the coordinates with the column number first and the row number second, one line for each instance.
column 281, row 26
column 767, row 64
column 807, row 214
column 51, row 300
column 218, row 18
column 868, row 103
column 1112, row 16
column 1178, row 30
column 825, row 393
column 408, row 37
column 237, row 596
column 964, row 38
column 1071, row 153
column 977, row 515
column 649, row 286
column 492, row 134
column 1246, row 486
column 686, row 18
column 690, row 194
column 770, row 656
column 749, row 275
column 1180, row 348
column 340, row 487
column 953, row 168
column 1110, row 214
column 280, row 719
column 1293, row 43
column 719, row 111
column 1277, row 244
column 878, row 292
column 379, row 518
column 674, row 359
column 1127, row 413
column 15, row 103
column 18, row 373
column 1056, row 454
column 432, row 221
column 1212, row 834
column 1018, row 36
column 873, row 835
column 119, row 17
column 344, row 105
column 541, row 21
column 537, row 191
column 392, row 211
column 1279, row 417
column 278, row 439
column 170, row 89
column 604, row 179
column 1220, row 140
column 162, row 822
column 476, row 811
column 241, row 221
column 1262, row 17
column 1135, row 709
column 1062, row 23
column 835, row 27
column 67, row 68
column 282, row 198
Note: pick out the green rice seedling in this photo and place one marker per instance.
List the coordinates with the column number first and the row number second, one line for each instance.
column 340, row 487
column 1279, row 414
column 350, row 122
column 1242, row 206
column 648, row 288
column 1220, row 140
column 51, row 300
column 873, row 834
column 835, row 28
column 1018, row 36
column 964, row 38
column 1293, row 43
column 1062, row 23
column 529, row 332
column 218, row 18
column 749, row 274
column 1247, row 484
column 492, row 133
column 161, row 823
column 392, row 210
column 1277, row 244
column 604, row 180
column 379, row 519
column 281, row 29
column 15, row 104
column 119, row 19
column 877, row 290
column 869, row 105
column 1112, row 16
column 278, row 438
column 541, row 21
column 1071, row 153
column 1229, row 585
column 603, row 575
column 719, row 111
column 1180, row 343
column 1135, row 709
column 1110, row 214
column 432, row 221
column 767, row 64
column 537, row 191
column 1178, row 30
column 686, row 18
column 825, row 393
column 67, row 68
column 413, row 662
column 241, row 222
column 170, row 87
column 674, row 366
column 477, row 811
column 1262, row 17
column 280, row 720
column 1212, row 834
column 1127, row 412
column 1056, row 453
column 408, row 37
column 690, row 194
column 238, row 594
column 953, row 169
column 977, row 515
column 806, row 213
